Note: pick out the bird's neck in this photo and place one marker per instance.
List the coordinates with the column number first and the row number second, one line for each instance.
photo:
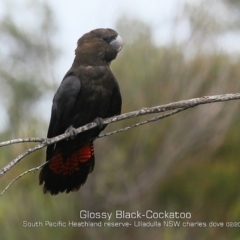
column 85, row 61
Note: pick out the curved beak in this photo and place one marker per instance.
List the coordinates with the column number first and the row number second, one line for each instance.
column 117, row 43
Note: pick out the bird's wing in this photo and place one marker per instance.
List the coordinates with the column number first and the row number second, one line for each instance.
column 63, row 103
column 116, row 102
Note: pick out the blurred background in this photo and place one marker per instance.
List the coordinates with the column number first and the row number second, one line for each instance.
column 173, row 50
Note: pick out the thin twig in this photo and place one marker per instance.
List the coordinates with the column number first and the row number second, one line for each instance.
column 143, row 122
column 21, row 175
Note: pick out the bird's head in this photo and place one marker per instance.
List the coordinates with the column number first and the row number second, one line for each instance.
column 98, row 47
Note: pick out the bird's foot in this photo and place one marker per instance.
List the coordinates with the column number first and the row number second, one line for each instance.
column 99, row 123
column 72, row 131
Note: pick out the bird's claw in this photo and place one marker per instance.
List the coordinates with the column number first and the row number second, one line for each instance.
column 99, row 123
column 72, row 131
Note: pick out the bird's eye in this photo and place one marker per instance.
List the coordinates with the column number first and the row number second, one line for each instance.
column 105, row 38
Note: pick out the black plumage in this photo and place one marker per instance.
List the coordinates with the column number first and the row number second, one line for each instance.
column 88, row 91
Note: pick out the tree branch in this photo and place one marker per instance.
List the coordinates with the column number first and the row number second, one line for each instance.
column 174, row 107
column 21, row 140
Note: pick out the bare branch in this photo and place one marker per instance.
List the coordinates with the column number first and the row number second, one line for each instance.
column 21, row 156
column 144, row 111
column 175, row 107
column 21, row 140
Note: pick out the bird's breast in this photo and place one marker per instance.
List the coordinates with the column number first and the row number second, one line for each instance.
column 93, row 100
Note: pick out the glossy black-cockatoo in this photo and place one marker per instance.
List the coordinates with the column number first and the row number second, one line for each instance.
column 89, row 91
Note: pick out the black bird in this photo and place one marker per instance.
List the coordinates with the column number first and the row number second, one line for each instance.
column 88, row 92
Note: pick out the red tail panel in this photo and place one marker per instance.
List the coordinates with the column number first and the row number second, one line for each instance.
column 82, row 155
column 67, row 174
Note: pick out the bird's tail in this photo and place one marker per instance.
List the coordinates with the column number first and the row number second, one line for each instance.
column 60, row 174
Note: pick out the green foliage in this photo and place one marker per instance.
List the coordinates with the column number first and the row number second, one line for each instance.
column 25, row 53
